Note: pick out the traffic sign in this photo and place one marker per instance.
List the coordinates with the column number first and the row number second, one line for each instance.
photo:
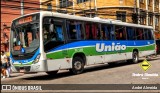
column 145, row 65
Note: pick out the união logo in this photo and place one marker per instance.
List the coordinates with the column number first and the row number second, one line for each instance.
column 101, row 47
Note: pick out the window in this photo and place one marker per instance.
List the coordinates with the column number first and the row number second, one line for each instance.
column 53, row 33
column 150, row 20
column 150, row 35
column 92, row 31
column 81, row 1
column 142, row 19
column 120, row 33
column 53, row 30
column 65, row 3
column 149, row 2
column 121, row 16
column 75, row 30
column 141, row 1
column 107, row 32
column 131, row 35
column 156, row 3
column 140, row 34
column 146, row 34
column 49, row 7
column 156, row 21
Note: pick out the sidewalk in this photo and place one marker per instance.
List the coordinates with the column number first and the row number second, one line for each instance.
column 12, row 75
column 153, row 57
column 18, row 75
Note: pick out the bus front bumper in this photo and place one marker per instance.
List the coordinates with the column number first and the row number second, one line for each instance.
column 37, row 67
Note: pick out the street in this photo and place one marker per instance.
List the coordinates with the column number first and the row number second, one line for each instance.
column 122, row 73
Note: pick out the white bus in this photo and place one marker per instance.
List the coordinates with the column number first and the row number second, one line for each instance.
column 48, row 42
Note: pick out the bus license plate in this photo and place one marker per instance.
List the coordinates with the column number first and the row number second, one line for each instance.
column 21, row 70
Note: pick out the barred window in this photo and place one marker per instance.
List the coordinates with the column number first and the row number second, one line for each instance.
column 121, row 16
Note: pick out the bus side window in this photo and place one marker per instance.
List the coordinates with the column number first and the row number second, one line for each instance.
column 130, row 33
column 89, row 31
column 120, row 33
column 59, row 32
column 112, row 32
column 140, row 34
column 99, row 32
column 146, row 34
column 105, row 32
column 87, row 27
column 94, row 29
column 71, row 30
column 74, row 29
column 150, row 35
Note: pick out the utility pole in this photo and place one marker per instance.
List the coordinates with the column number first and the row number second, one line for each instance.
column 22, row 7
column 90, row 9
column 138, row 8
column 66, row 7
column 40, row 5
column 154, row 15
column 135, row 14
column 73, row 7
column 135, row 6
column 95, row 6
column 56, row 5
column 22, row 13
column 147, row 12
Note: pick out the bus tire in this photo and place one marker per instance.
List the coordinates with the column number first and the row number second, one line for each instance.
column 135, row 57
column 77, row 65
column 52, row 72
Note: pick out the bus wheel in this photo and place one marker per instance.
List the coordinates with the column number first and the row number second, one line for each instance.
column 77, row 65
column 52, row 72
column 135, row 57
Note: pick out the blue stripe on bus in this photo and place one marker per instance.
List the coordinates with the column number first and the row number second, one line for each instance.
column 93, row 43
column 87, row 43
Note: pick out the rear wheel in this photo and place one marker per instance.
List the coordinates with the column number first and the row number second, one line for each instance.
column 52, row 72
column 135, row 57
column 77, row 65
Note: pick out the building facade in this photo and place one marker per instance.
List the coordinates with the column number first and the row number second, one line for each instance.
column 11, row 9
column 145, row 12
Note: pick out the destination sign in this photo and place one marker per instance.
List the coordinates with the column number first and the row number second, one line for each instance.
column 25, row 20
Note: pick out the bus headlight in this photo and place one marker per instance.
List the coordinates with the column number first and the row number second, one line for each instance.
column 37, row 59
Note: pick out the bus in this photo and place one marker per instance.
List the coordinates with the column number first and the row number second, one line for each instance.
column 48, row 42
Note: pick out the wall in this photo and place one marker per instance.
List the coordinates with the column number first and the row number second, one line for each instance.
column 11, row 10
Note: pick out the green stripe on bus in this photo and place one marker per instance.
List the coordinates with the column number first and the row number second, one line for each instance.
column 92, row 51
column 23, row 64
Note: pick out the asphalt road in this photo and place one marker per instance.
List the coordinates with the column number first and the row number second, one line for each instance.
column 122, row 73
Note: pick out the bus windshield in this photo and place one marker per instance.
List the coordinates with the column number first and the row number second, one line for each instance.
column 25, row 35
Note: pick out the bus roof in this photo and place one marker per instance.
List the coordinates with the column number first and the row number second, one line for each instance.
column 107, row 21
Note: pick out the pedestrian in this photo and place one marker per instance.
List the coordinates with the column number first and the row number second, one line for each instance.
column 4, row 62
column 8, row 70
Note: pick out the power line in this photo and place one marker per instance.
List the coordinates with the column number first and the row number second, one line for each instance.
column 15, row 1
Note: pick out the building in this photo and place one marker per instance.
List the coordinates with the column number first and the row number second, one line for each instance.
column 11, row 9
column 145, row 12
